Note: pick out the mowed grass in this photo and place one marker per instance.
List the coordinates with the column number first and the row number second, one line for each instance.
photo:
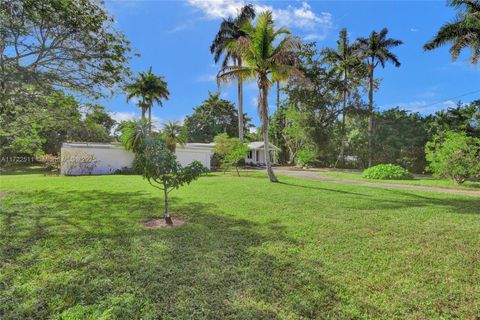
column 74, row 248
column 417, row 181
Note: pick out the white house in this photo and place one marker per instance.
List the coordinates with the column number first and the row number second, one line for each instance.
column 256, row 153
column 84, row 158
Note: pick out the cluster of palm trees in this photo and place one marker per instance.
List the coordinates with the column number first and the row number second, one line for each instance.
column 255, row 52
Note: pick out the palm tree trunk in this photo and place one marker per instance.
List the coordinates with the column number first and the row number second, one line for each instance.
column 264, row 113
column 370, row 116
column 150, row 119
column 278, row 95
column 143, row 113
column 166, row 213
column 240, row 105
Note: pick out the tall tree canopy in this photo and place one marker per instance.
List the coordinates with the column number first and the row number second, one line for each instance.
column 69, row 44
column 376, row 50
column 463, row 32
column 231, row 30
column 269, row 55
column 213, row 116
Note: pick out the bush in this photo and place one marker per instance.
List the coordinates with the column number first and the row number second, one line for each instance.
column 387, row 172
column 50, row 162
column 306, row 157
column 455, row 156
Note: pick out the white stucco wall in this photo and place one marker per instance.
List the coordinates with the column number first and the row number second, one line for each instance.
column 99, row 158
column 85, row 159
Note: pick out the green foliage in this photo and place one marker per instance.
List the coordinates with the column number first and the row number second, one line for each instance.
column 306, row 157
column 162, row 170
column 212, row 117
column 173, row 134
column 70, row 44
column 133, row 134
column 455, row 156
column 387, row 172
column 230, row 151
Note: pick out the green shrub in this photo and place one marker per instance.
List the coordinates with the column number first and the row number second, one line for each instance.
column 387, row 172
column 306, row 157
column 455, row 156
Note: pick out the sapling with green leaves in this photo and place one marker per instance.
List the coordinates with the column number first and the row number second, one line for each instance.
column 162, row 170
column 230, row 150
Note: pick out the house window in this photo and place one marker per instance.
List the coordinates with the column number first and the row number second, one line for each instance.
column 250, row 154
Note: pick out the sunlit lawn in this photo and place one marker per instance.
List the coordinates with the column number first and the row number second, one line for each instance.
column 74, row 248
column 417, row 181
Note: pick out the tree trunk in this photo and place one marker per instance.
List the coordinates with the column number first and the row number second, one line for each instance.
column 264, row 113
column 166, row 213
column 150, row 119
column 370, row 116
column 240, row 105
column 143, row 113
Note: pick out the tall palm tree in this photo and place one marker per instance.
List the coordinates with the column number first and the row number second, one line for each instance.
column 150, row 89
column 376, row 50
column 463, row 32
column 267, row 58
column 230, row 30
column 172, row 134
column 346, row 64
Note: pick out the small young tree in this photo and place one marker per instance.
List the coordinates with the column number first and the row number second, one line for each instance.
column 230, row 150
column 456, row 156
column 162, row 170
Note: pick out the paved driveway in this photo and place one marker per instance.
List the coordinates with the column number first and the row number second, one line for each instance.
column 314, row 175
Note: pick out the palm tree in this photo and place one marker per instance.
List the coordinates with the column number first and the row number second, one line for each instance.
column 150, row 89
column 376, row 49
column 133, row 134
column 172, row 134
column 267, row 58
column 346, row 64
column 462, row 33
column 230, row 30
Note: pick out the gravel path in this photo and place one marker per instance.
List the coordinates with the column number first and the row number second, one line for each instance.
column 314, row 175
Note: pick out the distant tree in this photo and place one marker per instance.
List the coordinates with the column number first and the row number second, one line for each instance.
column 463, row 32
column 213, row 116
column 133, row 134
column 455, row 156
column 231, row 151
column 69, row 44
column 268, row 58
column 98, row 115
column 150, row 89
column 376, row 50
column 162, row 170
column 172, row 134
column 350, row 70
column 462, row 118
column 230, row 30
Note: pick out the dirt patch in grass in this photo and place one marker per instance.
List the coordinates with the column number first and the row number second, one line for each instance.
column 157, row 223
column 3, row 194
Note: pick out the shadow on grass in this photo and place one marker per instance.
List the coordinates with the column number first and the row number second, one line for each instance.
column 22, row 170
column 85, row 254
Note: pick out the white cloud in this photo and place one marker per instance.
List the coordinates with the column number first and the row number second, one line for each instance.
column 301, row 17
column 124, row 116
column 413, row 29
column 207, row 78
column 423, row 106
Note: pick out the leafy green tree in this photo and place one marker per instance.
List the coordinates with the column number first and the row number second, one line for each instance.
column 133, row 134
column 376, row 50
column 267, row 58
column 98, row 115
column 162, row 170
column 462, row 118
column 173, row 134
column 463, row 32
column 230, row 30
column 68, row 44
column 455, row 156
column 150, row 89
column 231, row 151
column 212, row 117
column 350, row 71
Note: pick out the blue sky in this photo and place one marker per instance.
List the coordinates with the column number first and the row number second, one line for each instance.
column 174, row 37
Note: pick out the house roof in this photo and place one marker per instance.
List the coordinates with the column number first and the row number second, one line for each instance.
column 255, row 145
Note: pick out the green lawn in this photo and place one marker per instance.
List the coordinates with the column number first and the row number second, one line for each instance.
column 74, row 248
column 417, row 181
